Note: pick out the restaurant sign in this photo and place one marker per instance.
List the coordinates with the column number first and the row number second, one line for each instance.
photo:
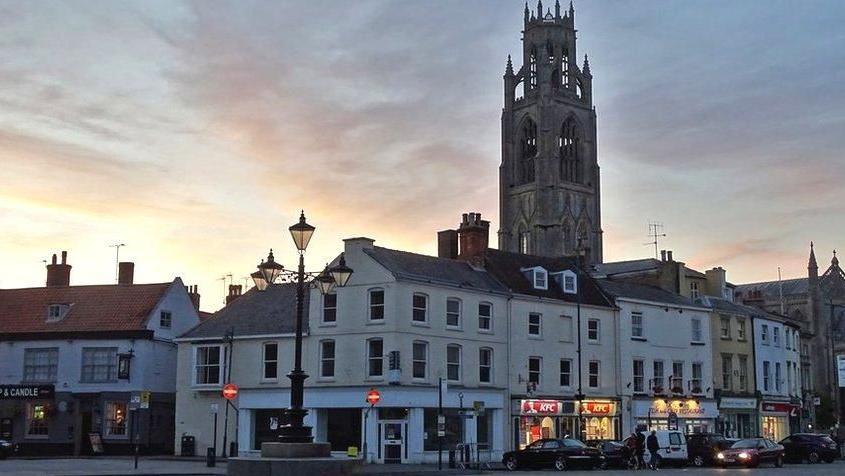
column 541, row 407
column 598, row 408
column 778, row 407
column 26, row 392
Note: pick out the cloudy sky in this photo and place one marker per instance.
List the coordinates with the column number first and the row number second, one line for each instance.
column 194, row 132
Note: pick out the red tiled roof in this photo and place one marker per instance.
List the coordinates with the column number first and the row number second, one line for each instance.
column 92, row 308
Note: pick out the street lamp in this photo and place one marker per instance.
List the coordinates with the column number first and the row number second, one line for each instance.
column 268, row 273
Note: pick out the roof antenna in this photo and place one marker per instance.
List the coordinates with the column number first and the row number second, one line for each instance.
column 655, row 232
column 225, row 291
column 116, row 247
column 780, row 293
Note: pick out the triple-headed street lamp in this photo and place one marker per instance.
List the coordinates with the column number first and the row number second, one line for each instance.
column 269, row 272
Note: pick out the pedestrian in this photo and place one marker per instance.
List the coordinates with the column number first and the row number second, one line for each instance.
column 640, row 450
column 631, row 444
column 653, row 448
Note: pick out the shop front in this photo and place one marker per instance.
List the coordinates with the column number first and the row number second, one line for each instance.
column 686, row 415
column 536, row 419
column 779, row 419
column 737, row 417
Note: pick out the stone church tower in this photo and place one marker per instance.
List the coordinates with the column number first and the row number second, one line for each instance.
column 549, row 202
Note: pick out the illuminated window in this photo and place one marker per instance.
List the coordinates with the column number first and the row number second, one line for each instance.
column 115, row 419
column 36, row 420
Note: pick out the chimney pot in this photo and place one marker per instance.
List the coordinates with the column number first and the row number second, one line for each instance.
column 474, row 237
column 58, row 274
column 669, row 256
column 64, row 257
column 662, row 255
column 125, row 273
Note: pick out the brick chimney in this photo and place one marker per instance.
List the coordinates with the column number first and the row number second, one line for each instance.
column 473, row 237
column 447, row 244
column 125, row 273
column 58, row 274
column 194, row 294
column 235, row 291
column 716, row 281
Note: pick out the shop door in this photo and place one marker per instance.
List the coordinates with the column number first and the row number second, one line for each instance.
column 392, row 441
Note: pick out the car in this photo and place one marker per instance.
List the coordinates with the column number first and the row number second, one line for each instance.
column 752, row 452
column 560, row 454
column 702, row 448
column 5, row 449
column 673, row 447
column 810, row 447
column 616, row 454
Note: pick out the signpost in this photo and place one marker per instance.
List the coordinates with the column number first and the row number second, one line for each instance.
column 230, row 391
column 673, row 421
column 373, row 397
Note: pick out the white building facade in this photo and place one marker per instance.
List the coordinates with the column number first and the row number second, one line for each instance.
column 777, row 364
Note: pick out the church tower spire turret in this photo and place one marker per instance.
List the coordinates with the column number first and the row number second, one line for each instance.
column 549, row 177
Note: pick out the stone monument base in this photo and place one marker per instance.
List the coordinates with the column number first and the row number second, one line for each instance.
column 283, row 459
column 295, row 450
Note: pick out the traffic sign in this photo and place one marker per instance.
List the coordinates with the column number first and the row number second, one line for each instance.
column 478, row 407
column 230, row 391
column 145, row 400
column 373, row 396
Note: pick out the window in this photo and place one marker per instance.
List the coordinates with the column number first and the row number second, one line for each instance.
column 740, row 329
column 208, row 365
column 453, row 362
column 593, row 330
column 327, row 358
column 657, row 367
column 565, row 372
column 535, row 324
column 766, row 375
column 485, row 316
column 485, row 365
column 330, row 308
column 376, row 304
column 419, row 308
column 566, row 328
column 541, row 279
column 593, row 377
column 36, row 420
column 787, row 338
column 528, row 150
column 165, row 319
column 777, row 376
column 764, row 334
column 57, row 312
column 789, row 377
column 636, row 324
column 525, row 236
column 725, row 327
column 693, row 290
column 453, row 313
column 776, row 336
column 532, row 68
column 696, row 330
column 375, row 358
column 419, row 359
column 271, row 361
column 727, row 372
column 569, row 153
column 535, row 365
column 40, row 365
column 743, row 372
column 639, row 376
column 696, row 377
column 99, row 364
column 570, row 282
column 677, row 377
column 115, row 419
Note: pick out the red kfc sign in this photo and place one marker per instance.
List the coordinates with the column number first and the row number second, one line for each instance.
column 789, row 408
column 598, row 408
column 542, row 407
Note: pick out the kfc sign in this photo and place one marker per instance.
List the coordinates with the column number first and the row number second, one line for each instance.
column 542, row 407
column 598, row 408
column 776, row 407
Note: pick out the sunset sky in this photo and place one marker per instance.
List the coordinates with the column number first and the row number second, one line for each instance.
column 195, row 132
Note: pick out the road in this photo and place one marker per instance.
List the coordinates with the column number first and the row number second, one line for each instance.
column 837, row 468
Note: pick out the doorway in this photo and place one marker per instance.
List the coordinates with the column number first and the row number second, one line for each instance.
column 393, row 441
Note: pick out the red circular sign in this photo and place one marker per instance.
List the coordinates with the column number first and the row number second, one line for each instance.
column 373, row 396
column 230, row 391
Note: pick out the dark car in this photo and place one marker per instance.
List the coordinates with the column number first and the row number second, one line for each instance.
column 752, row 452
column 702, row 448
column 616, row 454
column 810, row 447
column 5, row 449
column 560, row 454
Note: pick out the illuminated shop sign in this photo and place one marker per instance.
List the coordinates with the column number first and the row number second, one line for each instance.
column 541, row 407
column 26, row 392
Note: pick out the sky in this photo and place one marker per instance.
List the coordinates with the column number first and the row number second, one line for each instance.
column 195, row 132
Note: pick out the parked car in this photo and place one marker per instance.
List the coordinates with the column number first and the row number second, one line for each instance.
column 752, row 452
column 702, row 448
column 616, row 454
column 560, row 454
column 810, row 447
column 5, row 449
column 673, row 447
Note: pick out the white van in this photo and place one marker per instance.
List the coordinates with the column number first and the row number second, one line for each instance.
column 673, row 447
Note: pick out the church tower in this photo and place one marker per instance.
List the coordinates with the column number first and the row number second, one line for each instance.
column 549, row 202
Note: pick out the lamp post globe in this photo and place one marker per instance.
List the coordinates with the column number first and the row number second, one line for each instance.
column 340, row 272
column 258, row 279
column 325, row 283
column 270, row 269
column 301, row 233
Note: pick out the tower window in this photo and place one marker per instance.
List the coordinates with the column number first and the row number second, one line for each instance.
column 570, row 159
column 524, row 242
column 532, row 68
column 550, row 51
column 564, row 67
column 527, row 151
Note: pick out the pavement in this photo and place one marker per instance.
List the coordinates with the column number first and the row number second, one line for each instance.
column 194, row 467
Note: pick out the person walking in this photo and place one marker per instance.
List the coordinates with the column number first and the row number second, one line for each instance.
column 640, row 449
column 631, row 444
column 653, row 448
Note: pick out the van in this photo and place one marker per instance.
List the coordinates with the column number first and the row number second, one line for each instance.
column 673, row 447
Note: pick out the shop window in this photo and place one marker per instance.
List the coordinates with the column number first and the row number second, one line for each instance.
column 453, row 362
column 375, row 358
column 485, row 365
column 453, row 313
column 99, row 364
column 376, row 303
column 209, row 368
column 599, row 428
column 115, row 419
column 271, row 361
column 419, row 308
column 453, row 428
column 594, row 378
column 327, row 358
column 37, row 424
column 485, row 316
column 343, row 428
column 329, row 308
column 483, row 431
column 535, row 325
column 419, row 359
column 593, row 330
column 40, row 365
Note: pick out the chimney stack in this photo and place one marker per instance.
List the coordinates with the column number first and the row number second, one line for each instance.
column 716, row 282
column 125, row 273
column 669, row 256
column 447, row 244
column 235, row 291
column 194, row 294
column 473, row 237
column 58, row 274
column 662, row 255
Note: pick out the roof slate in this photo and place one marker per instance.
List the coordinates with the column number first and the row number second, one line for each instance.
column 268, row 312
column 644, row 292
column 413, row 266
column 92, row 308
column 623, row 267
column 772, row 288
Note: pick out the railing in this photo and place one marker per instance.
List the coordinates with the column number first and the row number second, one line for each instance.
column 473, row 456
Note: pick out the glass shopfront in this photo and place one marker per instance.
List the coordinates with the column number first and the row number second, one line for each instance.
column 687, row 415
column 778, row 418
column 559, row 419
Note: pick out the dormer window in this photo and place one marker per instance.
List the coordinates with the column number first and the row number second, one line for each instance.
column 538, row 276
column 567, row 280
column 56, row 312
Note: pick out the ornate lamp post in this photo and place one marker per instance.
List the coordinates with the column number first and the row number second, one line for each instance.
column 268, row 272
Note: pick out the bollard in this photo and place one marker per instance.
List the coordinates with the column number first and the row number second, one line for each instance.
column 452, row 459
column 211, row 457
